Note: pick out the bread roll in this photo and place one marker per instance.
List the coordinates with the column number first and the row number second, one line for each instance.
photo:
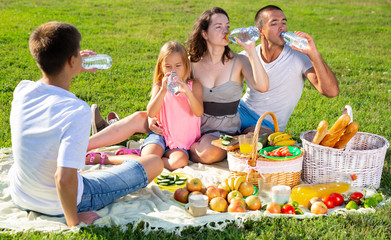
column 336, row 131
column 340, row 124
column 350, row 131
column 321, row 132
column 331, row 139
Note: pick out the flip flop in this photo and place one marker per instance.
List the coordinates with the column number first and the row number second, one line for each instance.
column 92, row 157
column 126, row 151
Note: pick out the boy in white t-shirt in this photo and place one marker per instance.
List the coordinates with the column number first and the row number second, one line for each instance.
column 50, row 130
column 287, row 67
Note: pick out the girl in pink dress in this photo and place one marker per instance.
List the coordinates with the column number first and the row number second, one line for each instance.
column 178, row 114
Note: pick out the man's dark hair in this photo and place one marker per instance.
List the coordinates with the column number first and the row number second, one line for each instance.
column 52, row 44
column 259, row 18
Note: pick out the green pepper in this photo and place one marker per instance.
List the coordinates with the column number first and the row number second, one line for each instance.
column 299, row 211
column 370, row 202
column 378, row 197
column 351, row 205
column 294, row 204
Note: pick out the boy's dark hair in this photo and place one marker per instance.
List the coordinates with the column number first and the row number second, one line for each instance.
column 52, row 44
column 259, row 18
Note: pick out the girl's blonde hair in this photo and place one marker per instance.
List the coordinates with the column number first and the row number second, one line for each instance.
column 167, row 49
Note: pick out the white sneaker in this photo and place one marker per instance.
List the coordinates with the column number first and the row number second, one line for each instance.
column 112, row 118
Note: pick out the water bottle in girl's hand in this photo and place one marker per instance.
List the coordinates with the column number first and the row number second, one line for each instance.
column 244, row 34
column 99, row 61
column 292, row 39
column 172, row 85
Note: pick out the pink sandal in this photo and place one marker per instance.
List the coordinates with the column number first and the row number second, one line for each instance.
column 92, row 157
column 126, row 151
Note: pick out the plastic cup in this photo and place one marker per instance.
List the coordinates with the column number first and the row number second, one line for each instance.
column 281, row 194
column 198, row 205
column 246, row 143
column 265, row 187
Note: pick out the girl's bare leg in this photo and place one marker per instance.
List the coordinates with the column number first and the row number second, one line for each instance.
column 175, row 159
column 204, row 152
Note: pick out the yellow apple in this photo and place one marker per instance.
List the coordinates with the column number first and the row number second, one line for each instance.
column 233, row 194
column 218, row 204
column 253, row 203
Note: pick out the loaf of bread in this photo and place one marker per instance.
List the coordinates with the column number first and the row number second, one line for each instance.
column 349, row 132
column 336, row 131
column 321, row 132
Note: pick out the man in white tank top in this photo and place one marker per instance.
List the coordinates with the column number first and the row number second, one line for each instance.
column 287, row 67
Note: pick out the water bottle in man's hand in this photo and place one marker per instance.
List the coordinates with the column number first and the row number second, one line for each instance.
column 99, row 61
column 292, row 39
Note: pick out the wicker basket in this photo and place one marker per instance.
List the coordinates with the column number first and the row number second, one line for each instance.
column 363, row 155
column 254, row 166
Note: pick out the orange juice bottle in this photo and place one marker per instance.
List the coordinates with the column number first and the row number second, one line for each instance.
column 338, row 183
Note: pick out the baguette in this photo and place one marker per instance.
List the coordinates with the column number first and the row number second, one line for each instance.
column 331, row 139
column 320, row 132
column 350, row 131
column 335, row 131
column 340, row 124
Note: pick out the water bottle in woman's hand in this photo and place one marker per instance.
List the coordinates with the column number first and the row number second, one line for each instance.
column 244, row 34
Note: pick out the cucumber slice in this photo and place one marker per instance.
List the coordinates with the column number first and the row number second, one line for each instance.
column 164, row 175
column 163, row 184
column 182, row 179
column 164, row 181
column 159, row 177
column 176, row 178
column 227, row 137
column 171, row 182
column 225, row 143
column 171, row 177
column 179, row 182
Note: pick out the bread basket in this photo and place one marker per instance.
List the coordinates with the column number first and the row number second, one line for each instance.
column 363, row 155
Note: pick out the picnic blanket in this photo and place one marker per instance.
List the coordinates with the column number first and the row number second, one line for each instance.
column 154, row 207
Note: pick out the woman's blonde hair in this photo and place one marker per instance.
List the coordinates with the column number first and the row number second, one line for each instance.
column 167, row 49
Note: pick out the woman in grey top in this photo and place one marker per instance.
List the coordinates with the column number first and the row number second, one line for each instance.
column 221, row 73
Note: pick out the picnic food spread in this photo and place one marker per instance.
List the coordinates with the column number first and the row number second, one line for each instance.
column 238, row 195
column 278, row 158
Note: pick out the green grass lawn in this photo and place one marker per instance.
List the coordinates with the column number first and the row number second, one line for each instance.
column 352, row 36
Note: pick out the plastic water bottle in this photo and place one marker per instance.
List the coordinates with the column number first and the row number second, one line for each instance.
column 292, row 39
column 244, row 34
column 172, row 85
column 100, row 61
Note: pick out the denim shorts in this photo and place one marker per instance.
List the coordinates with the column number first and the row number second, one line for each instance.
column 249, row 118
column 159, row 140
column 104, row 186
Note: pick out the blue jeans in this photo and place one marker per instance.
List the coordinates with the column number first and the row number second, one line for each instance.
column 154, row 138
column 249, row 118
column 104, row 186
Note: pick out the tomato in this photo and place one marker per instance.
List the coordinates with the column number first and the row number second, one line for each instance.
column 288, row 209
column 266, row 153
column 357, row 197
column 329, row 201
column 338, row 199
